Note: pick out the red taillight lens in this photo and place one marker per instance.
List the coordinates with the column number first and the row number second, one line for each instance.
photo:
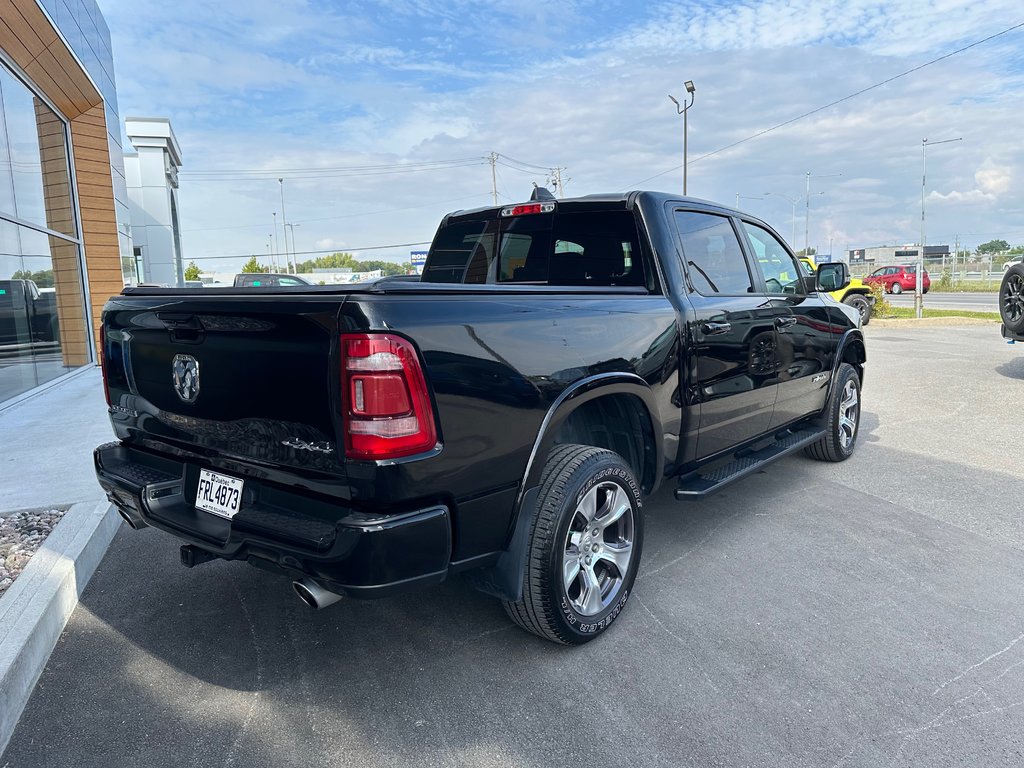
column 103, row 363
column 527, row 208
column 386, row 403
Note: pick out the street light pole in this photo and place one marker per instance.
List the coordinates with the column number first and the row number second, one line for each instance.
column 919, row 281
column 681, row 109
column 807, row 208
column 276, row 262
column 744, row 197
column 793, row 201
column 284, row 225
column 294, row 251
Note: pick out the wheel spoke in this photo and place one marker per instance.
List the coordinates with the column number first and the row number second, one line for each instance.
column 618, row 555
column 588, row 505
column 847, row 424
column 570, row 568
column 590, row 599
column 617, row 505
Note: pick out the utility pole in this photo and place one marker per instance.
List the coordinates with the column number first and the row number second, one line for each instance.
column 493, row 159
column 295, row 263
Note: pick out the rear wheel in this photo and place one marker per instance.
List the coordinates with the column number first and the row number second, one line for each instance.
column 1011, row 299
column 861, row 304
column 584, row 548
column 897, row 288
column 841, row 419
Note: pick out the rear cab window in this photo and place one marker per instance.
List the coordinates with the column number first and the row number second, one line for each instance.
column 714, row 260
column 593, row 248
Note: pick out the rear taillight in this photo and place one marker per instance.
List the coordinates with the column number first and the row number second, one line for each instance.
column 103, row 363
column 385, row 399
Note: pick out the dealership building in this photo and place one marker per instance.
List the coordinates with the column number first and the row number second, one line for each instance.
column 64, row 215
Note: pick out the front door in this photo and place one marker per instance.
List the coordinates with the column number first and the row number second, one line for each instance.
column 731, row 336
column 805, row 344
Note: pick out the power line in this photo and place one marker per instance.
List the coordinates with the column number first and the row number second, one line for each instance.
column 342, row 216
column 274, row 172
column 346, row 249
column 834, row 103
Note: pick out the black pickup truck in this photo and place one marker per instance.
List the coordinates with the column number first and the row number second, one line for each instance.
column 503, row 416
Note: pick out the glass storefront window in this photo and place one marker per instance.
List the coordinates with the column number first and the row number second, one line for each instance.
column 43, row 324
column 34, row 181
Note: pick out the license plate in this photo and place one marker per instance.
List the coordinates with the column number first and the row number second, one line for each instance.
column 219, row 494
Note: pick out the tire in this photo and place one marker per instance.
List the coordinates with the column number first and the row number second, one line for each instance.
column 1011, row 299
column 580, row 485
column 897, row 288
column 862, row 305
column 841, row 419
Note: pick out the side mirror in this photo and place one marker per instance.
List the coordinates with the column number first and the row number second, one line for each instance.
column 833, row 276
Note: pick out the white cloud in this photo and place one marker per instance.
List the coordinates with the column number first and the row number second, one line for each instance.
column 245, row 91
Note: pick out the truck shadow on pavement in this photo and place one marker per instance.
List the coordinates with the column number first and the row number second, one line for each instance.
column 794, row 618
column 1012, row 369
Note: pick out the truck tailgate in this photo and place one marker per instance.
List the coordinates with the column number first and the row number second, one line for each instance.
column 251, row 377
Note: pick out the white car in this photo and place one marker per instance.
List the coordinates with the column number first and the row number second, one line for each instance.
column 1013, row 260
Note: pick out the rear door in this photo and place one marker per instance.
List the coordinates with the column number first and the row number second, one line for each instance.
column 731, row 334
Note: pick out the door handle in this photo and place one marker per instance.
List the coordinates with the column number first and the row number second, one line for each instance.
column 712, row 328
column 785, row 322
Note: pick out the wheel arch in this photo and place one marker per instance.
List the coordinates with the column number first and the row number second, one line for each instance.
column 574, row 411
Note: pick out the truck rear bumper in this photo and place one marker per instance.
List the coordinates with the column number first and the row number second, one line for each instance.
column 354, row 553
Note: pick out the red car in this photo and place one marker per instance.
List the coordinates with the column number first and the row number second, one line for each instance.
column 899, row 279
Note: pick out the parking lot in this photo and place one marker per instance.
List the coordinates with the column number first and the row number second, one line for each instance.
column 860, row 614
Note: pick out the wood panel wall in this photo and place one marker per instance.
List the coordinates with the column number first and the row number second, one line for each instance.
column 28, row 38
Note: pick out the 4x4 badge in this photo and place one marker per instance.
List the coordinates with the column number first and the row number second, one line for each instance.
column 185, row 374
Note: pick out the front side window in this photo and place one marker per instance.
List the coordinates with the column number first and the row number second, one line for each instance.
column 714, row 259
column 779, row 271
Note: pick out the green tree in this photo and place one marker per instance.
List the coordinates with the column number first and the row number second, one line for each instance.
column 254, row 266
column 192, row 271
column 809, row 252
column 43, row 278
column 994, row 246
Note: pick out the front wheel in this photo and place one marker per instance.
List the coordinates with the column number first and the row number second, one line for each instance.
column 584, row 548
column 841, row 419
column 862, row 305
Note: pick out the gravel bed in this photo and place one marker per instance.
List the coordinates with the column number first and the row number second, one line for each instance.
column 21, row 534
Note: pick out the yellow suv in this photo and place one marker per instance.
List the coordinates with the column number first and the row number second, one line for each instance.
column 856, row 294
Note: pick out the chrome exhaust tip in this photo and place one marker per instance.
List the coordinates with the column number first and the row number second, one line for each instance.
column 313, row 595
column 135, row 525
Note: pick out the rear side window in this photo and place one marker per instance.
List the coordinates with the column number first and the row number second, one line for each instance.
column 714, row 259
column 570, row 249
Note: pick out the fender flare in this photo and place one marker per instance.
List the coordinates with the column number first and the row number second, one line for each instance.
column 852, row 336
column 505, row 578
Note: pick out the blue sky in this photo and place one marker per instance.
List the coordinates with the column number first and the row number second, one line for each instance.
column 582, row 85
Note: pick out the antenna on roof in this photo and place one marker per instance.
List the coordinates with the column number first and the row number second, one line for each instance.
column 541, row 193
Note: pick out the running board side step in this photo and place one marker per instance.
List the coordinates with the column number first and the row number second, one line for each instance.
column 697, row 485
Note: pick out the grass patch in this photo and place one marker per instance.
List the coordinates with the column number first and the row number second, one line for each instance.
column 904, row 313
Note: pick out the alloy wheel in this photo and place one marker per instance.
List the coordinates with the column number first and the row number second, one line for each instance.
column 849, row 412
column 1013, row 298
column 598, row 548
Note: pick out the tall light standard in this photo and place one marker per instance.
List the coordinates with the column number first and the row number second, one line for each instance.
column 807, row 209
column 295, row 261
column 793, row 201
column 284, row 224
column 918, row 287
column 276, row 239
column 681, row 110
column 744, row 197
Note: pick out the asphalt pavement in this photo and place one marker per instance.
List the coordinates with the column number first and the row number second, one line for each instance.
column 973, row 302
column 860, row 614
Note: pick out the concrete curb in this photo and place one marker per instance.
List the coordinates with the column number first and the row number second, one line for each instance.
column 927, row 322
column 39, row 603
